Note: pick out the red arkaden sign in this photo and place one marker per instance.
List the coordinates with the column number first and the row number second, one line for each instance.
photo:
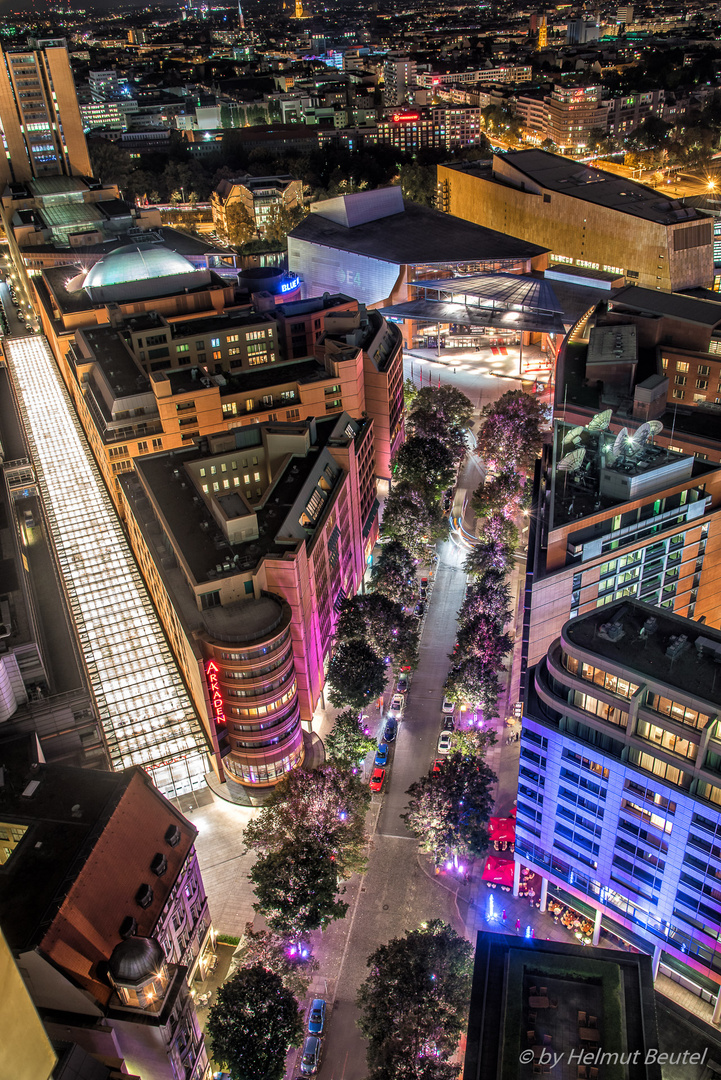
column 211, row 673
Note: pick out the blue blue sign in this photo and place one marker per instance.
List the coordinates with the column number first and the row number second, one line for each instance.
column 288, row 286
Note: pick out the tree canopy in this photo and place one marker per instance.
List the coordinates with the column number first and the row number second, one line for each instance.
column 356, row 675
column 347, row 742
column 412, row 520
column 393, row 572
column 414, row 1003
column 449, row 809
column 510, row 433
column 296, row 888
column 382, row 624
column 270, row 951
column 328, row 804
column 253, row 1023
column 425, row 462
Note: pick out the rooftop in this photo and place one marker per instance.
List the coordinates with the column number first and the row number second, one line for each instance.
column 116, row 362
column 595, row 469
column 657, row 304
column 187, row 517
column 295, row 371
column 615, row 987
column 583, row 182
column 417, row 235
column 677, row 652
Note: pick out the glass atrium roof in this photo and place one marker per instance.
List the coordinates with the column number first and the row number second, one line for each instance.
column 137, row 262
column 146, row 714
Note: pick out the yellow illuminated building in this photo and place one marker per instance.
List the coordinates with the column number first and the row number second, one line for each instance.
column 25, row 1050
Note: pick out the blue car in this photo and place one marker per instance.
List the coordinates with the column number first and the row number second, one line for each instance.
column 381, row 757
column 316, row 1019
column 390, row 730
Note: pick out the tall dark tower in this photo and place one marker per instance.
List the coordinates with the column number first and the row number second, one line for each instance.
column 241, row 18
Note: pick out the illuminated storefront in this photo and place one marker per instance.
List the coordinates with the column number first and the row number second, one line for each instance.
column 146, row 715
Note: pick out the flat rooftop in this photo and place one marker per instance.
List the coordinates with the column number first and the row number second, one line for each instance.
column 659, row 304
column 295, row 371
column 34, row 880
column 194, row 529
column 312, row 304
column 211, row 323
column 586, row 183
column 116, row 362
column 615, row 987
column 584, row 486
column 419, row 234
column 660, row 653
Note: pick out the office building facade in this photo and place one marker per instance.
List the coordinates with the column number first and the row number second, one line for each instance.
column 619, row 804
column 645, row 523
column 585, row 217
column 40, row 122
column 249, row 543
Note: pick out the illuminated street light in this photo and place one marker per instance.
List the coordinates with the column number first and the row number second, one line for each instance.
column 146, row 715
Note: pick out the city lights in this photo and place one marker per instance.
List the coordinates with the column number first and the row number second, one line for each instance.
column 146, row 715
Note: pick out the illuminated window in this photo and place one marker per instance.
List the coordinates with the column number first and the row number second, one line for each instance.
column 682, row 365
column 215, row 343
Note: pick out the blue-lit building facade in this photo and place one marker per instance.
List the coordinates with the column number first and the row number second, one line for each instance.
column 619, row 797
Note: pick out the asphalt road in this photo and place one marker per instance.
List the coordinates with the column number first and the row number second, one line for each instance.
column 397, row 892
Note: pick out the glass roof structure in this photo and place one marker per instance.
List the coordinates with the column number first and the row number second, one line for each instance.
column 146, row 713
column 494, row 301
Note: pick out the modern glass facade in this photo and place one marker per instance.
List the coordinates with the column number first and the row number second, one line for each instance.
column 619, row 798
column 146, row 714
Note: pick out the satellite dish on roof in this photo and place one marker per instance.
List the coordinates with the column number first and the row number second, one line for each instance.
column 572, row 434
column 640, row 436
column 600, row 421
column 571, row 462
column 621, row 442
column 655, row 426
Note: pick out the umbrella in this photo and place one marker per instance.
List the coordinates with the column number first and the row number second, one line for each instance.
column 499, row 871
column 502, row 829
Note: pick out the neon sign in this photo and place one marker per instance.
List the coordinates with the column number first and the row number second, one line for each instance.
column 288, row 286
column 211, row 673
column 405, row 118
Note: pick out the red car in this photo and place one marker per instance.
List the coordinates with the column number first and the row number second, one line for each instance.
column 377, row 778
column 436, row 767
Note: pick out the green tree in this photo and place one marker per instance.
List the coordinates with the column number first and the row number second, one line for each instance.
column 414, row 1003
column 448, row 810
column 240, row 225
column 296, row 888
column 328, row 804
column 393, row 573
column 410, row 393
column 413, row 521
column 270, row 951
column 473, row 681
column 110, row 163
column 500, row 495
column 253, row 1023
column 424, row 463
column 356, row 675
column 347, row 742
column 382, row 624
column 510, row 432
column 441, row 413
column 418, row 183
column 489, row 596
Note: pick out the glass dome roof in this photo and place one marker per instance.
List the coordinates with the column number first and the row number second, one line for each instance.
column 136, row 262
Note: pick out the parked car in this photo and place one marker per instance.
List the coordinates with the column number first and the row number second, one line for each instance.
column 28, row 519
column 377, row 778
column 424, row 587
column 420, row 609
column 444, row 742
column 402, row 684
column 381, row 757
column 316, row 1017
column 447, row 707
column 448, row 723
column 396, row 705
column 436, row 766
column 311, row 1056
column 390, row 730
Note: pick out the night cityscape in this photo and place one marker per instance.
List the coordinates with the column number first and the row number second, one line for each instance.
column 360, row 541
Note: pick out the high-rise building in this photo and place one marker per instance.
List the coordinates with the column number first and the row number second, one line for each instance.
column 249, row 542
column 618, row 516
column 573, row 112
column 619, row 799
column 40, row 122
